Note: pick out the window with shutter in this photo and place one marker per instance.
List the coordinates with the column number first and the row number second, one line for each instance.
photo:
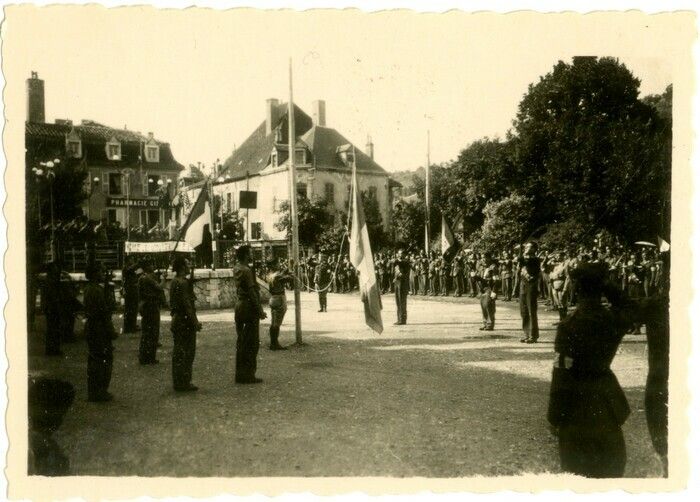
column 330, row 193
column 115, row 184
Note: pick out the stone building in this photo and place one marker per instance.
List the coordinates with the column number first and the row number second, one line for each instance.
column 131, row 177
column 323, row 159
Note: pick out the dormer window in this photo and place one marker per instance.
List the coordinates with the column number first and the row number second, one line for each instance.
column 114, row 149
column 152, row 153
column 151, row 149
column 300, row 157
column 346, row 154
column 74, row 146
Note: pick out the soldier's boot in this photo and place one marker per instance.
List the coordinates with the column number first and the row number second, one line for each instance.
column 562, row 313
column 274, row 339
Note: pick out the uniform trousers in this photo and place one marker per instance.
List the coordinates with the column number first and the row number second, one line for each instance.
column 322, row 298
column 184, row 347
column 131, row 308
column 528, row 310
column 401, row 293
column 99, row 368
column 488, row 310
column 247, row 345
column 53, row 334
column 150, row 329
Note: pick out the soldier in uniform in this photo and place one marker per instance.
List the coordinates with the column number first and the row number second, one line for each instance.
column 151, row 297
column 99, row 333
column 70, row 306
column 457, row 272
column 529, row 272
column 248, row 313
column 443, row 267
column 130, row 289
column 587, row 406
column 184, row 325
column 277, row 278
column 322, row 279
column 400, row 278
column 424, row 273
column 379, row 271
column 655, row 314
column 51, row 305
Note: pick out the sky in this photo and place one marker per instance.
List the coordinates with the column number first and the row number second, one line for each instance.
column 199, row 78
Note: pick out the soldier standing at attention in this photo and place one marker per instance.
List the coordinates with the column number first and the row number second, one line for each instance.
column 99, row 333
column 587, row 405
column 401, row 274
column 278, row 278
column 322, row 279
column 130, row 289
column 457, row 273
column 529, row 272
column 248, row 313
column 151, row 297
column 184, row 326
column 51, row 305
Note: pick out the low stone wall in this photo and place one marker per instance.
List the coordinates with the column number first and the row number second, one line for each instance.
column 213, row 289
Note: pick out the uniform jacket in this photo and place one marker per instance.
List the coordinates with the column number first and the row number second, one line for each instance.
column 182, row 308
column 584, row 390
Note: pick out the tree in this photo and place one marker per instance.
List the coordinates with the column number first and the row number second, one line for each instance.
column 313, row 219
column 587, row 149
column 481, row 173
column 373, row 219
column 506, row 222
column 407, row 221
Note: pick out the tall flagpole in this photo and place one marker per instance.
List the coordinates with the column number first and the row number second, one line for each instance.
column 212, row 230
column 292, row 175
column 427, row 201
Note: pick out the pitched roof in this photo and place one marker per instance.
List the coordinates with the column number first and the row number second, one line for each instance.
column 253, row 154
column 44, row 138
column 324, row 143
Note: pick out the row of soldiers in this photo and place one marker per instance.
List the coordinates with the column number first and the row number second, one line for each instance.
column 637, row 273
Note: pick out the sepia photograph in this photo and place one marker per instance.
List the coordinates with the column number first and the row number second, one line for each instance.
column 340, row 244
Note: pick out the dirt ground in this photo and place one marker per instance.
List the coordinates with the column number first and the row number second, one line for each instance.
column 434, row 398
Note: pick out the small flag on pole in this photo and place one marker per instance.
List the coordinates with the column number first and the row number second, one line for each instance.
column 361, row 259
column 448, row 242
column 663, row 245
column 192, row 232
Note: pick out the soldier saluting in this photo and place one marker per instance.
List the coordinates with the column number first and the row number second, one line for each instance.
column 587, row 405
column 184, row 326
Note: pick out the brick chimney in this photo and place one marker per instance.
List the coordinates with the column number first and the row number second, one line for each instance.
column 370, row 147
column 319, row 113
column 35, row 99
column 271, row 114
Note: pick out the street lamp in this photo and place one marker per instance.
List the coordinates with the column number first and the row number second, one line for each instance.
column 50, row 176
column 93, row 185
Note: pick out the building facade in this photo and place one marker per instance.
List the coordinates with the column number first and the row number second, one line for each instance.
column 323, row 161
column 131, row 178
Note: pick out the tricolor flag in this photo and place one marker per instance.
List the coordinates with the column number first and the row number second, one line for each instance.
column 663, row 245
column 361, row 259
column 447, row 240
column 192, row 232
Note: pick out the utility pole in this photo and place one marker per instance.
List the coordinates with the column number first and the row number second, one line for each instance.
column 292, row 175
column 427, row 201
